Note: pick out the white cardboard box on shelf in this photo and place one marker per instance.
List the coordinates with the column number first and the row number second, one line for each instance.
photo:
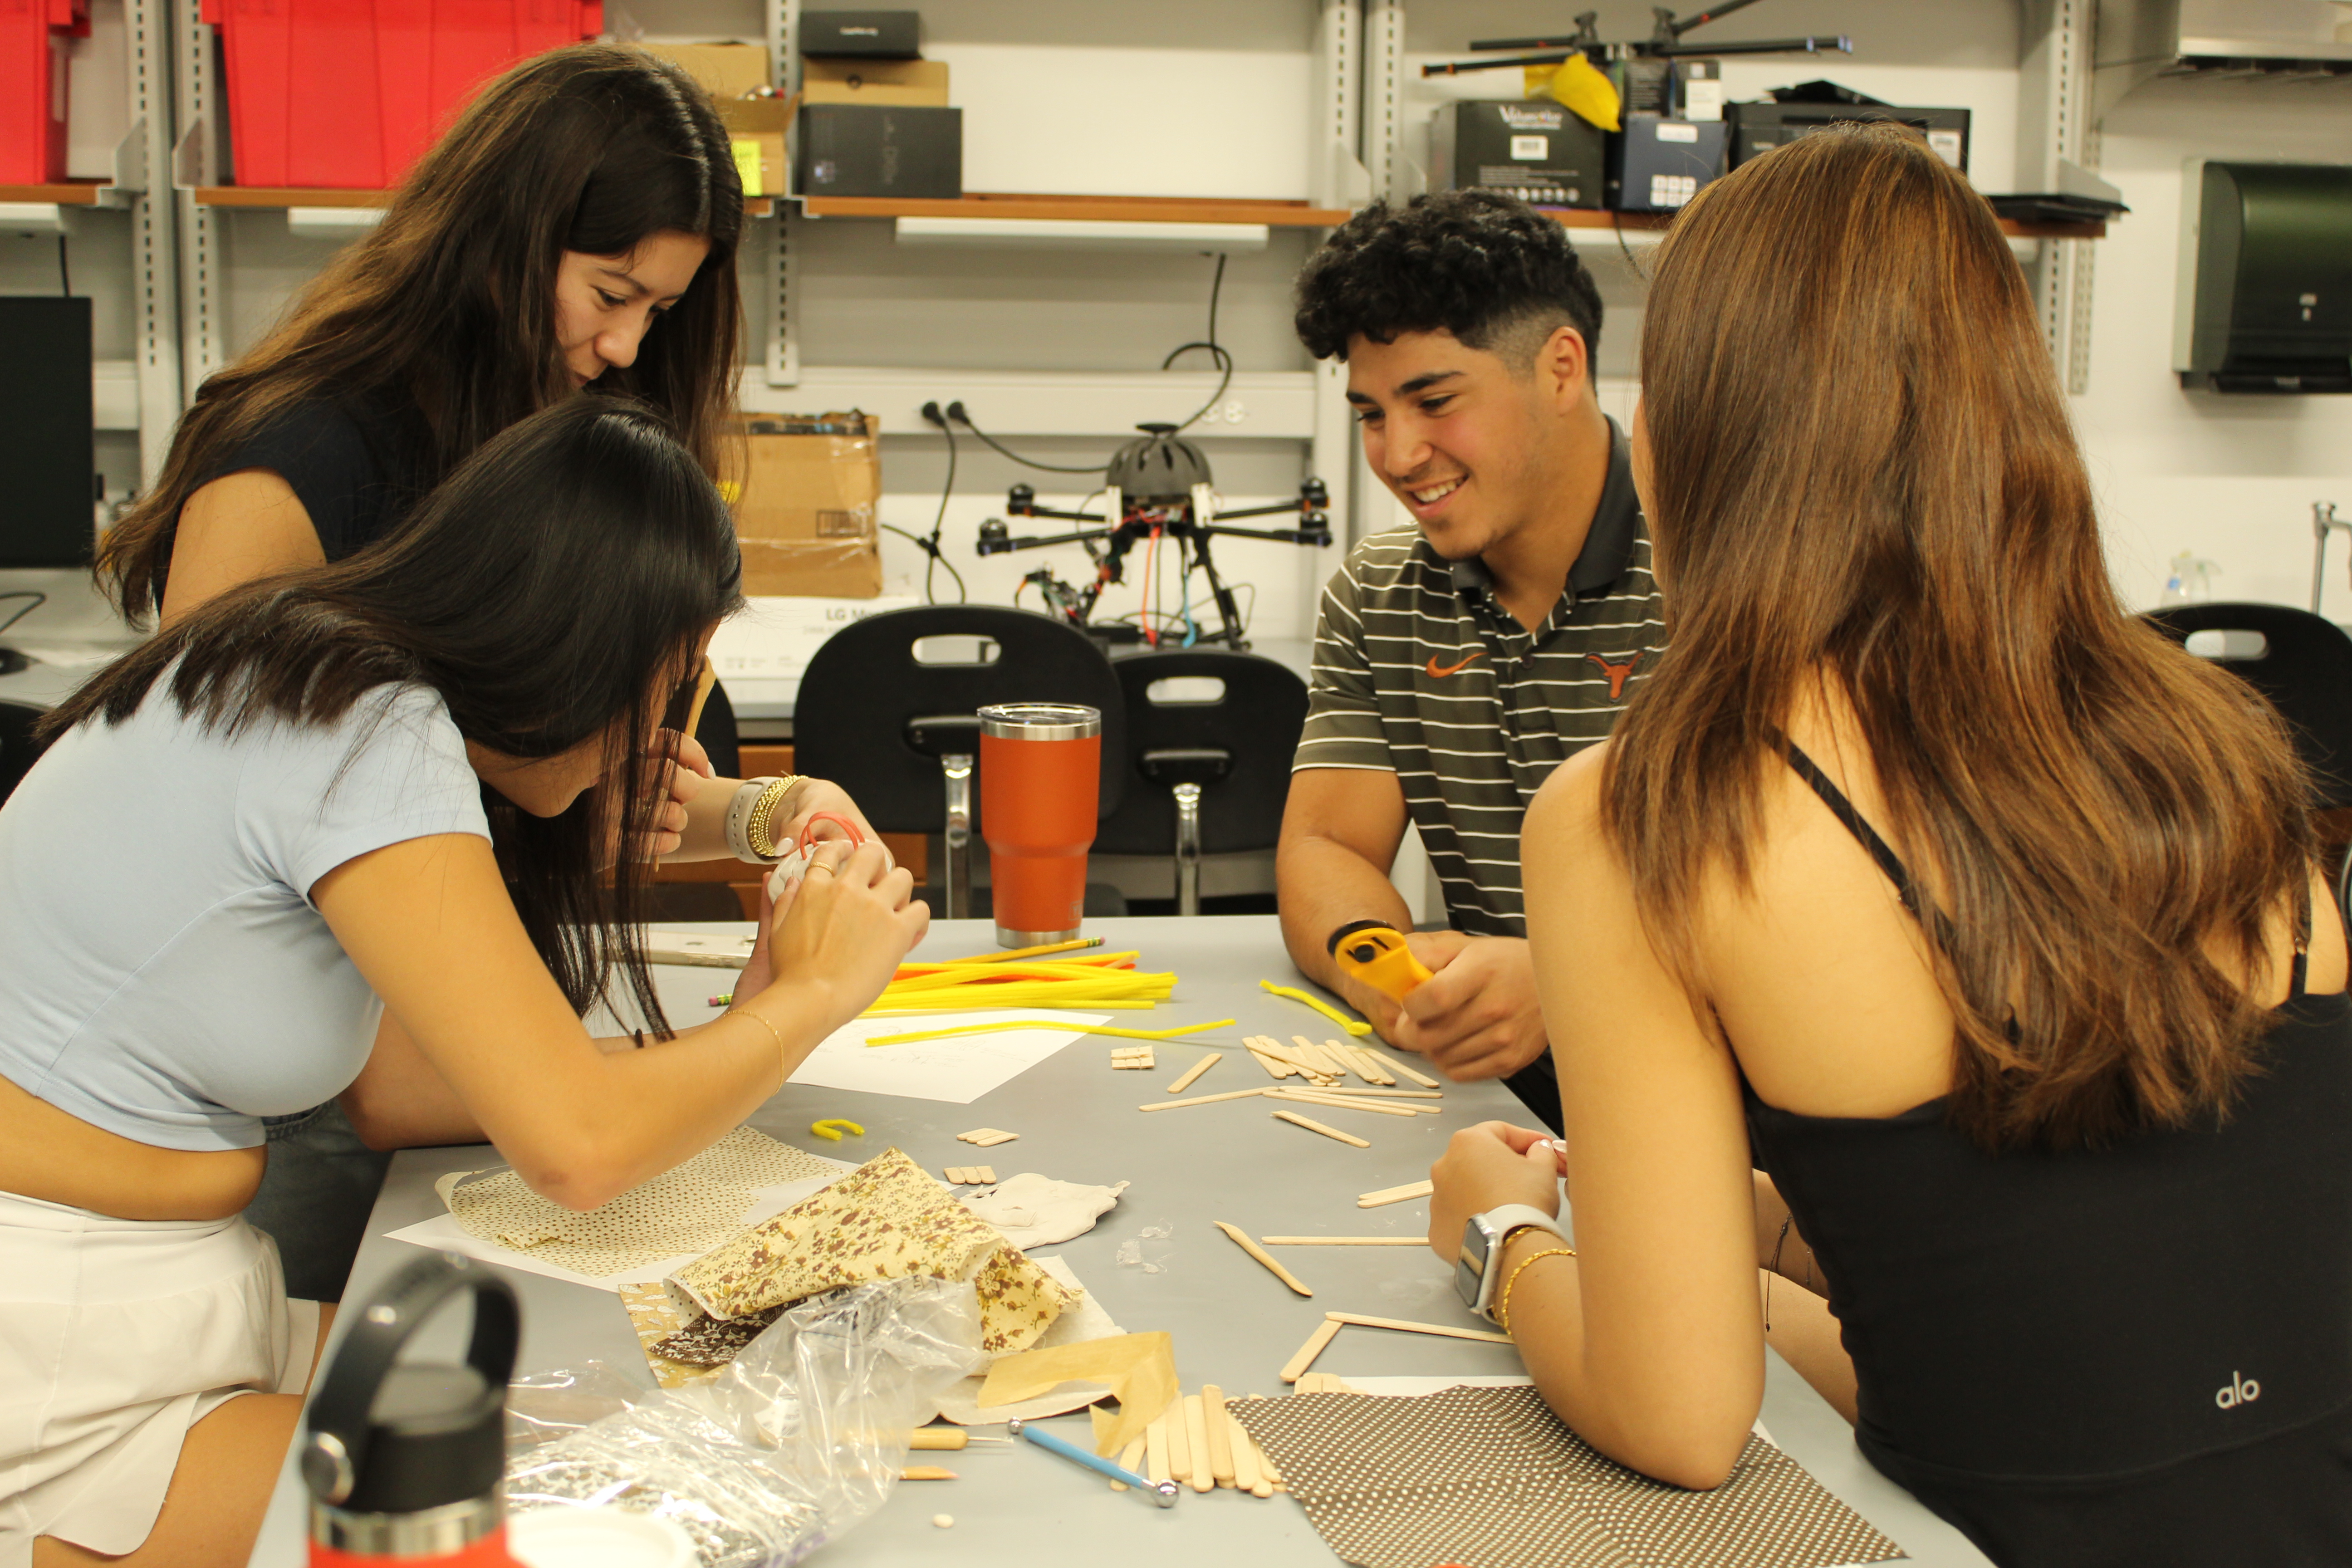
column 773, row 639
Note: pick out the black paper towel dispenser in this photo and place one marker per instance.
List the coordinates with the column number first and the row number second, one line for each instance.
column 2263, row 301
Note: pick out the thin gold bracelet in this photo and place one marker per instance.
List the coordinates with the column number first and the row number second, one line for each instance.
column 759, row 830
column 1503, row 1298
column 784, row 1072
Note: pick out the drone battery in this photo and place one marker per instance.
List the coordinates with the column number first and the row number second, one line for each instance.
column 1537, row 151
column 1657, row 165
column 862, row 35
column 880, row 150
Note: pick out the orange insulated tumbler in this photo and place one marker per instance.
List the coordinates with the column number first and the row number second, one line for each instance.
column 1040, row 781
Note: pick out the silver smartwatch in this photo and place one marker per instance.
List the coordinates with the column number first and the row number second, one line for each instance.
column 1482, row 1249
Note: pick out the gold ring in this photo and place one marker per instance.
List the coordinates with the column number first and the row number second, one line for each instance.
column 820, row 865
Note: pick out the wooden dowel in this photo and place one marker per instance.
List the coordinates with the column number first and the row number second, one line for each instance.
column 1204, row 1099
column 1410, row 1191
column 1193, row 1073
column 1442, row 1330
column 1241, row 1238
column 703, row 681
column 1325, row 1332
column 1246, row 1478
column 1196, row 1438
column 1398, row 1069
column 925, row 1473
column 1336, row 1102
column 936, row 1437
column 1216, row 1423
column 1313, row 1126
column 1341, row 1241
column 1179, row 1443
column 1155, row 1451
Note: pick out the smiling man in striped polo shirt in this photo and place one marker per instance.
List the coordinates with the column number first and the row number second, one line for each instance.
column 1457, row 662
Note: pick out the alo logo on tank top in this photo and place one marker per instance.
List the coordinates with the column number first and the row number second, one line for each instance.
column 2238, row 1390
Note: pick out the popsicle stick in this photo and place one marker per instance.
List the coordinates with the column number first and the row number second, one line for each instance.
column 1267, row 1468
column 1417, row 1096
column 1193, row 1075
column 983, row 1175
column 1204, row 1099
column 1196, row 1438
column 1310, row 1053
column 1179, row 1442
column 1343, row 1060
column 1217, row 1424
column 1242, row 1240
column 1274, row 1070
column 1399, row 1067
column 1155, row 1451
column 1266, row 1046
column 1366, row 1068
column 1444, row 1331
column 1128, row 1457
column 1336, row 1102
column 1410, row 1191
column 1341, row 1241
column 1325, row 1332
column 1246, row 1473
column 1313, row 1126
column 986, row 1137
column 706, row 677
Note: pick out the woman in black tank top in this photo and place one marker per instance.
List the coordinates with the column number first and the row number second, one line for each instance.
column 2058, row 1095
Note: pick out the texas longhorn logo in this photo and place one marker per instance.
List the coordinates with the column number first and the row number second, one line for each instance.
column 1617, row 673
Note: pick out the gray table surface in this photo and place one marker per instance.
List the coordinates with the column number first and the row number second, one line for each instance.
column 1234, row 1324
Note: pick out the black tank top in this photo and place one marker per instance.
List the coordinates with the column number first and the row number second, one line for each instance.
column 2140, row 1354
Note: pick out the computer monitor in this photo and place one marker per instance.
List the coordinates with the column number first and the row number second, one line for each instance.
column 48, row 453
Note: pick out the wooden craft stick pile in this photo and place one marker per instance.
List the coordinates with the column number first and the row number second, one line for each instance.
column 1198, row 1443
column 971, row 1175
column 986, row 1137
column 1133, row 1058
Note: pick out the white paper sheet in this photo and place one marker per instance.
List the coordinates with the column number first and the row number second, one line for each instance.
column 959, row 1068
column 444, row 1234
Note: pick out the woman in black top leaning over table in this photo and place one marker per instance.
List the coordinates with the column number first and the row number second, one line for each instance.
column 1986, row 912
column 575, row 229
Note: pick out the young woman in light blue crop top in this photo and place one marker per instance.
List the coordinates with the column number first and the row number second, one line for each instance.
column 264, row 836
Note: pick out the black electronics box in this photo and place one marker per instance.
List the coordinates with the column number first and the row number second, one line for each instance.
column 862, row 35
column 1535, row 150
column 879, row 149
column 1698, row 89
column 1761, row 127
column 47, row 516
column 1657, row 165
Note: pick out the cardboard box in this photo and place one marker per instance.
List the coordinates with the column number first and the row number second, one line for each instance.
column 725, row 70
column 915, row 84
column 882, row 149
column 807, row 516
column 760, row 130
column 1536, row 150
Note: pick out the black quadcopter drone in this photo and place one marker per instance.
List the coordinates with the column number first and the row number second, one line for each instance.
column 1665, row 42
column 1157, row 486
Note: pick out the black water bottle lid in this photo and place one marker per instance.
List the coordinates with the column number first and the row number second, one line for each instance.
column 387, row 1438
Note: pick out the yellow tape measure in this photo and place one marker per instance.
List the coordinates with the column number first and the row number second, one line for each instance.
column 1376, row 954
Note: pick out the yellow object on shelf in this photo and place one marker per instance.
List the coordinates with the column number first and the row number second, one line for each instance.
column 1578, row 85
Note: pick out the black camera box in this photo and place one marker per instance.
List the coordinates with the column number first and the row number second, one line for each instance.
column 1534, row 149
column 1761, row 127
column 879, row 149
column 862, row 35
column 1657, row 165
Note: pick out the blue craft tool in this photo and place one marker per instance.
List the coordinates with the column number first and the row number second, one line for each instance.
column 1161, row 1493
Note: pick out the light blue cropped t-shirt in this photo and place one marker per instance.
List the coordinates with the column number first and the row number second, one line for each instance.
column 162, row 971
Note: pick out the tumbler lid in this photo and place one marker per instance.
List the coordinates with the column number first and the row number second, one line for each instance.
column 1040, row 721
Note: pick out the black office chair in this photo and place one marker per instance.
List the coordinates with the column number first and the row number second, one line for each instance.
column 1209, row 776
column 903, row 736
column 18, row 750
column 2303, row 663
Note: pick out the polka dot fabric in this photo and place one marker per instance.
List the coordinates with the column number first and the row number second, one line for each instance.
column 691, row 1207
column 1490, row 1477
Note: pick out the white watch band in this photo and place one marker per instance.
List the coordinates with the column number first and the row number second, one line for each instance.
column 1500, row 1222
column 738, row 819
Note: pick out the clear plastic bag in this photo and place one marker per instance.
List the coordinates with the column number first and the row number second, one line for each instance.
column 801, row 1438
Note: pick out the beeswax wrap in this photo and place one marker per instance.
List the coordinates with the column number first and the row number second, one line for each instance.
column 691, row 1207
column 886, row 1220
column 1489, row 1476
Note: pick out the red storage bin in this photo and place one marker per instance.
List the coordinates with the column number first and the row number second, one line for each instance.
column 32, row 34
column 345, row 94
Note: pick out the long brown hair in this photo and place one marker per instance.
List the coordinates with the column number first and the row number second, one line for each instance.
column 449, row 305
column 1864, row 472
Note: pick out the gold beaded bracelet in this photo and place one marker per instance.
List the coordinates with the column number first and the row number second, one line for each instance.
column 760, row 831
column 1503, row 1296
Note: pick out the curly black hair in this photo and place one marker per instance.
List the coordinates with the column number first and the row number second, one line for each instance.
column 1491, row 270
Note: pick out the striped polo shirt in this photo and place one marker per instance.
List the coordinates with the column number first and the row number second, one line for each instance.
column 1420, row 671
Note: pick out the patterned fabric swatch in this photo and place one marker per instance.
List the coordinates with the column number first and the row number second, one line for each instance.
column 656, row 1319
column 1490, row 1477
column 713, row 1342
column 886, row 1220
column 690, row 1208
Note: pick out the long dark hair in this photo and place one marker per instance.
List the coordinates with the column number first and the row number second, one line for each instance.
column 1865, row 469
column 449, row 305
column 552, row 591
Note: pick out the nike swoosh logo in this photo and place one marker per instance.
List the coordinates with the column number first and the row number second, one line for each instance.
column 1436, row 673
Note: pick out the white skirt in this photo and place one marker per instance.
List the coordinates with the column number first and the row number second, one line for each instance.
column 115, row 1336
